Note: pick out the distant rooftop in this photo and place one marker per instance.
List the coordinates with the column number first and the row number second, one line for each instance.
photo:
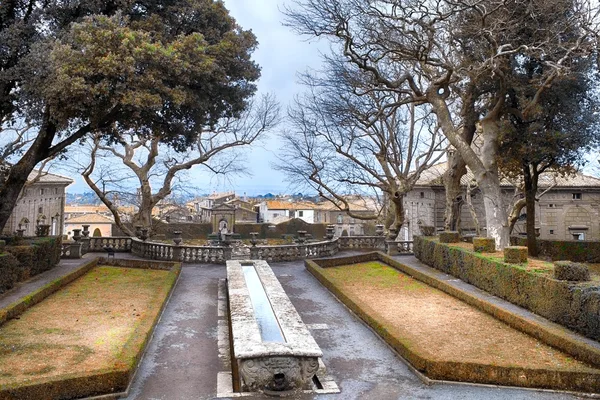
column 433, row 177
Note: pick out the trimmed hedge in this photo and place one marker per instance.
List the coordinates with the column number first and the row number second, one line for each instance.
column 576, row 306
column 484, row 245
column 9, row 271
column 572, row 250
column 570, row 271
column 32, row 256
column 515, row 255
column 449, row 237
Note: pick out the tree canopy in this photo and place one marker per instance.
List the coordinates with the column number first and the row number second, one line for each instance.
column 169, row 68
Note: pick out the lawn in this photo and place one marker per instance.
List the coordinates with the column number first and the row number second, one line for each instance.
column 92, row 330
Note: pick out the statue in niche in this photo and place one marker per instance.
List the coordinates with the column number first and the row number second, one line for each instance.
column 222, row 229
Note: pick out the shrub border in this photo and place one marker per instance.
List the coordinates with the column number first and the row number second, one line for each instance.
column 471, row 372
column 573, row 305
column 115, row 381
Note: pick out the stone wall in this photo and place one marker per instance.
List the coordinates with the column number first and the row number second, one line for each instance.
column 576, row 306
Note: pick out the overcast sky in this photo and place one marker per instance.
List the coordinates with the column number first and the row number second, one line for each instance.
column 280, row 54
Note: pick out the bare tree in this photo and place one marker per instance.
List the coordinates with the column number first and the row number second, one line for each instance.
column 456, row 54
column 149, row 163
column 348, row 136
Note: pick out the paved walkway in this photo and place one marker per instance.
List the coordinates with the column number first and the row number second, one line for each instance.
column 182, row 359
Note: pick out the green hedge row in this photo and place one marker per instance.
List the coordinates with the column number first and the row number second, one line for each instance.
column 26, row 258
column 571, row 250
column 576, row 306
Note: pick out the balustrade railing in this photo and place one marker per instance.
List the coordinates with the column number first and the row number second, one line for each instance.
column 220, row 254
column 362, row 242
column 117, row 243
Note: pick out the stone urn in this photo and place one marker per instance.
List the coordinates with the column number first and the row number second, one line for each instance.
column 379, row 229
column 253, row 239
column 20, row 232
column 86, row 231
column 144, row 234
column 138, row 231
column 76, row 235
column 177, row 237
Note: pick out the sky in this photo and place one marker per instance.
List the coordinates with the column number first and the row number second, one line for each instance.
column 281, row 54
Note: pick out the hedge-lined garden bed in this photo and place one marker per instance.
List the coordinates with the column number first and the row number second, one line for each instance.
column 444, row 337
column 86, row 337
column 24, row 258
column 574, row 305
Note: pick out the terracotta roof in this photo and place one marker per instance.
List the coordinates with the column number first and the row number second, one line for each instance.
column 89, row 219
column 46, row 177
column 290, row 205
column 86, row 209
column 433, row 177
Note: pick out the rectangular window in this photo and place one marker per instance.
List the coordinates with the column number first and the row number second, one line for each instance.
column 576, row 196
column 422, row 195
column 550, row 205
column 552, row 231
column 578, row 235
column 41, row 191
column 301, row 213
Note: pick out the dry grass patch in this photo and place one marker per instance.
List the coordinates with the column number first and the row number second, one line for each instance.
column 94, row 325
column 449, row 339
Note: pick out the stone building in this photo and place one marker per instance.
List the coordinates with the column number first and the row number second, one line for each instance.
column 99, row 224
column 569, row 210
column 42, row 202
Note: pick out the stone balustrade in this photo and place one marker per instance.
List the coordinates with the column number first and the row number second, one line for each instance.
column 362, row 242
column 220, row 254
column 291, row 252
column 120, row 244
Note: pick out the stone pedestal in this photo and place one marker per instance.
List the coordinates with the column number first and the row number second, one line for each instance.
column 85, row 244
column 177, row 253
column 254, row 253
column 391, row 247
column 75, row 250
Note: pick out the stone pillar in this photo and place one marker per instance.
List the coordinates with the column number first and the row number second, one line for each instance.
column 75, row 250
column 85, row 244
column 227, row 253
column 392, row 247
column 254, row 253
column 177, row 252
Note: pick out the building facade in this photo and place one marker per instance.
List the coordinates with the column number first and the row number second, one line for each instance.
column 42, row 202
column 569, row 209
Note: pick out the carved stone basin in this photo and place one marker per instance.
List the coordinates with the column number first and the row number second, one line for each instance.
column 273, row 350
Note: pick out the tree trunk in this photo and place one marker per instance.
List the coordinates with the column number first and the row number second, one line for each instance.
column 452, row 176
column 456, row 166
column 496, row 218
column 144, row 215
column 17, row 177
column 399, row 212
column 530, row 180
